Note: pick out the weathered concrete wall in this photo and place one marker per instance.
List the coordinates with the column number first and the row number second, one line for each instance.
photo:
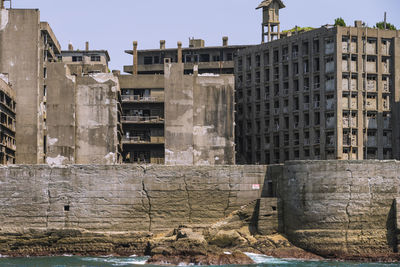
column 20, row 58
column 199, row 118
column 122, row 197
column 97, row 119
column 213, row 120
column 178, row 88
column 83, row 117
column 341, row 208
column 60, row 115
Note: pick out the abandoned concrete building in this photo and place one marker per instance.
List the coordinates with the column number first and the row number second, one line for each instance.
column 329, row 93
column 211, row 59
column 69, row 105
column 178, row 119
column 7, row 118
column 27, row 46
column 84, row 109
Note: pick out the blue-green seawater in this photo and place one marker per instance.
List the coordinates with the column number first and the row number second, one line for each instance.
column 72, row 261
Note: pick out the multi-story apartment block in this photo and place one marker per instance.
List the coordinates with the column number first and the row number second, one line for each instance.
column 211, row 59
column 27, row 46
column 329, row 93
column 7, row 122
column 175, row 119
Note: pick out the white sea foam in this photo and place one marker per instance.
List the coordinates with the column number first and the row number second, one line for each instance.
column 115, row 261
column 260, row 258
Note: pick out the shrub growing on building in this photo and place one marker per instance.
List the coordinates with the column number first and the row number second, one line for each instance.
column 340, row 22
column 389, row 26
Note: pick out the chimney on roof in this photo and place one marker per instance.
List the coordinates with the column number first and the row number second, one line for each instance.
column 162, row 44
column 225, row 41
column 70, row 47
column 87, row 46
column 135, row 58
column 358, row 23
column 179, row 52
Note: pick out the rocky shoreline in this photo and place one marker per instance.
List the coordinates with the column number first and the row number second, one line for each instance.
column 224, row 242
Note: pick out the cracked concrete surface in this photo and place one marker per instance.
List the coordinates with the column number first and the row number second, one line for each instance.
column 112, row 198
column 343, row 209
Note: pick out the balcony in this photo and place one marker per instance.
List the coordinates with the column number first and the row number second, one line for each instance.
column 371, row 86
column 371, row 141
column 142, row 119
column 330, row 85
column 142, row 140
column 330, row 67
column 350, row 140
column 349, row 123
column 329, row 48
column 138, row 98
column 371, row 123
column 330, row 122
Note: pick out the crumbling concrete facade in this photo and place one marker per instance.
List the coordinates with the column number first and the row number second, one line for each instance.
column 329, row 93
column 26, row 46
column 83, row 118
column 7, row 122
column 199, row 118
column 178, row 119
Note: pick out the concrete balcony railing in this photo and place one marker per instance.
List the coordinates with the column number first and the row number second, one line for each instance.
column 371, row 123
column 330, row 67
column 329, row 48
column 142, row 140
column 142, row 119
column 138, row 98
column 349, row 123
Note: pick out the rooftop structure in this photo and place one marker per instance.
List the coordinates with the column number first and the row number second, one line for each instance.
column 85, row 61
column 212, row 59
column 271, row 24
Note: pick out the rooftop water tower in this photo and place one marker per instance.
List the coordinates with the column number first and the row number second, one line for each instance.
column 270, row 24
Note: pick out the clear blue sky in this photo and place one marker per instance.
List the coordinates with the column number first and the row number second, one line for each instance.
column 114, row 24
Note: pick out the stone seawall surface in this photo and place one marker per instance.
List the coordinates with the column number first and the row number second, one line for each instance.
column 123, row 198
column 342, row 209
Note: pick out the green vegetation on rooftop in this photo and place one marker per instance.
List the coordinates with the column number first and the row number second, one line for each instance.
column 299, row 29
column 389, row 26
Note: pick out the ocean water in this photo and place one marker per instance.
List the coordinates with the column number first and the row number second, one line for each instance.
column 261, row 261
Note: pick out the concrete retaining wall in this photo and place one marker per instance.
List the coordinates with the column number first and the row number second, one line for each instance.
column 341, row 208
column 122, row 198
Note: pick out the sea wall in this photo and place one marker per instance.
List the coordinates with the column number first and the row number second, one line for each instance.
column 102, row 198
column 341, row 209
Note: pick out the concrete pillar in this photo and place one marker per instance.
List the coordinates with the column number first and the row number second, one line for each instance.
column 162, row 44
column 87, row 46
column 225, row 41
column 135, row 59
column 179, row 52
column 70, row 47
